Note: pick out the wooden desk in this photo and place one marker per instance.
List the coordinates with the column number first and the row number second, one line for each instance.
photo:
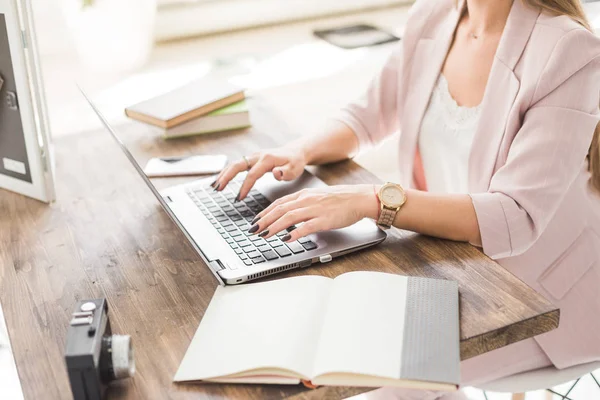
column 107, row 236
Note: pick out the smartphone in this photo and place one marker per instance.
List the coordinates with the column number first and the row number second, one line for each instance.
column 161, row 167
column 354, row 36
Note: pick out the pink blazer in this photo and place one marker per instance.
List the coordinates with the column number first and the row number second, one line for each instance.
column 528, row 177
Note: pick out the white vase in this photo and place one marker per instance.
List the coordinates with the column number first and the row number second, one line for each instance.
column 112, row 35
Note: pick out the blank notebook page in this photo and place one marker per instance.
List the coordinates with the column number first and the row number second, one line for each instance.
column 364, row 325
column 260, row 325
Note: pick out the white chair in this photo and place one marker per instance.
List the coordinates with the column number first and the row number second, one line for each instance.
column 538, row 379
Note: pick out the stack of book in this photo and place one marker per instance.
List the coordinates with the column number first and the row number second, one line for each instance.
column 203, row 106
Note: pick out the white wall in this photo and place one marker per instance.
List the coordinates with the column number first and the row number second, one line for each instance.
column 52, row 33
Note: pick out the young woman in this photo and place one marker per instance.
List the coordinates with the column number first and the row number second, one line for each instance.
column 496, row 102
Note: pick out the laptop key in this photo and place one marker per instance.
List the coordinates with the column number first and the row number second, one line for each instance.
column 304, row 240
column 264, row 248
column 246, row 213
column 244, row 243
column 241, row 239
column 236, row 233
column 248, row 262
column 239, row 251
column 256, row 208
column 295, row 247
column 309, row 245
column 283, row 251
column 277, row 244
column 250, row 249
column 270, row 255
column 260, row 242
column 227, row 222
column 258, row 260
column 254, row 254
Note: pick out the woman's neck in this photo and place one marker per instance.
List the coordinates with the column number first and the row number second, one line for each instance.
column 488, row 16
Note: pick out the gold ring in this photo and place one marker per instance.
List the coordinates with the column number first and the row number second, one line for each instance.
column 248, row 166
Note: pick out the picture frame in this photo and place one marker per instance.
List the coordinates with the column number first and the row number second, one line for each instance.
column 26, row 159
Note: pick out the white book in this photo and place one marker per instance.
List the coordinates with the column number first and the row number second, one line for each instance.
column 366, row 329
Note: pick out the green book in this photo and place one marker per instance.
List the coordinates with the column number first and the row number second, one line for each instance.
column 234, row 116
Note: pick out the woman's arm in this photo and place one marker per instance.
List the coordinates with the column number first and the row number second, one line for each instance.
column 447, row 216
column 338, row 143
column 360, row 124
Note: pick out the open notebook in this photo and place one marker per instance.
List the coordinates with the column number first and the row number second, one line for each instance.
column 359, row 329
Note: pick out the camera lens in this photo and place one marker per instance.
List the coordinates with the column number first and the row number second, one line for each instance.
column 116, row 358
column 122, row 356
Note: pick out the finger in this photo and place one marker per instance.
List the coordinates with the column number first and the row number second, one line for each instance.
column 276, row 203
column 262, row 223
column 314, row 225
column 286, row 172
column 290, row 218
column 230, row 172
column 263, row 166
column 219, row 175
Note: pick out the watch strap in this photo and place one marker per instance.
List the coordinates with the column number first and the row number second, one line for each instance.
column 386, row 217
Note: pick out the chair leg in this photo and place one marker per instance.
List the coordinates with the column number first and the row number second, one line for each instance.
column 518, row 396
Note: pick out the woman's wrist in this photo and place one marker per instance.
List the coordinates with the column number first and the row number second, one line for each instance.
column 369, row 202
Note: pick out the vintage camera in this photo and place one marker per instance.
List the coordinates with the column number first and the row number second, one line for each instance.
column 94, row 356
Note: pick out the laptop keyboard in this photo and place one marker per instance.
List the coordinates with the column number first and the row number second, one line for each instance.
column 232, row 221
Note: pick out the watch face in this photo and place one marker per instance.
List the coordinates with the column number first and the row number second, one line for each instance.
column 392, row 196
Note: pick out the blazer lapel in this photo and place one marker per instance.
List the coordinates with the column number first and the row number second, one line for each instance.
column 499, row 97
column 425, row 66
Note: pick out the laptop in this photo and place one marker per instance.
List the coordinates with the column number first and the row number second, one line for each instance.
column 217, row 227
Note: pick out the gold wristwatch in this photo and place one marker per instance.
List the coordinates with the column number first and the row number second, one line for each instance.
column 391, row 199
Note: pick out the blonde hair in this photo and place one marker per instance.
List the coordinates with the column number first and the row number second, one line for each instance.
column 574, row 10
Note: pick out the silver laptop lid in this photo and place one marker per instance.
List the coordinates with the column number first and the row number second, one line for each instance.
column 156, row 193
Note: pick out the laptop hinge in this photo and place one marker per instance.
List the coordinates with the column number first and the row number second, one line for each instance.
column 216, row 265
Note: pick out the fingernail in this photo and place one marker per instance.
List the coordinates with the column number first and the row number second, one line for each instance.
column 264, row 233
column 213, row 184
column 280, row 173
column 217, row 187
column 291, row 228
column 255, row 220
column 237, row 198
column 253, row 228
column 286, row 238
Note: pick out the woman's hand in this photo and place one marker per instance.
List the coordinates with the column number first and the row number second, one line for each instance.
column 318, row 210
column 285, row 163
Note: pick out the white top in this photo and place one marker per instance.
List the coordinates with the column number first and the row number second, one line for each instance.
column 445, row 141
